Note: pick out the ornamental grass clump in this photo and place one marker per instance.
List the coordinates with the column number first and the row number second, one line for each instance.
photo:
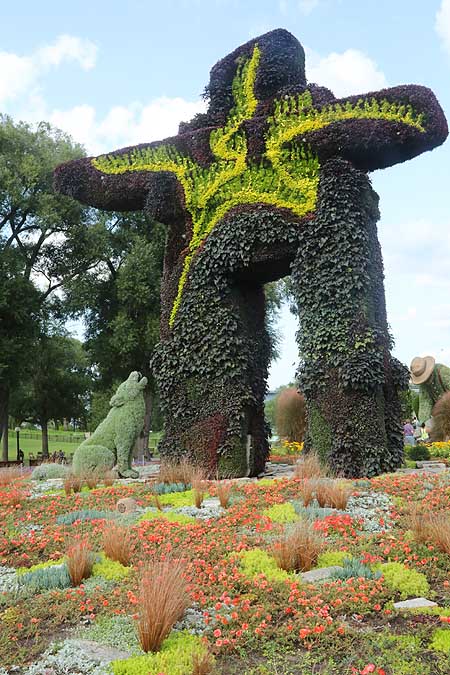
column 116, row 543
column 223, row 489
column 162, row 601
column 332, row 493
column 202, row 663
column 299, row 550
column 306, row 491
column 438, row 528
column 9, row 474
column 80, row 560
column 310, row 466
column 177, row 472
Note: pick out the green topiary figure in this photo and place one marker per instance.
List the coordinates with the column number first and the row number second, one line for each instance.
column 113, row 440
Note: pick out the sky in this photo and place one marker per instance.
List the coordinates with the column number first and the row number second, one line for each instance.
column 116, row 73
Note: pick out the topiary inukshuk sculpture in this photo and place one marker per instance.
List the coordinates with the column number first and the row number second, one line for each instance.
column 112, row 442
column 271, row 180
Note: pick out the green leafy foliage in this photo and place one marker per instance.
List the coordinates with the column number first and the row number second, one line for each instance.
column 171, row 516
column 175, row 658
column 257, row 561
column 46, row 471
column 407, row 582
column 441, row 640
column 417, row 452
column 281, row 513
column 332, row 558
column 111, row 570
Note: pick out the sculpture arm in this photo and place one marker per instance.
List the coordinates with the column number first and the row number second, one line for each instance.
column 372, row 131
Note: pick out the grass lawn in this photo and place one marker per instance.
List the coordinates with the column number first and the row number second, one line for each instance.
column 34, row 445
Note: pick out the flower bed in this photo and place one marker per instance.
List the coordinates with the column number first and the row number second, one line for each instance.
column 245, row 614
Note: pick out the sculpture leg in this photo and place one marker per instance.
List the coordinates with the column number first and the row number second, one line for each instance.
column 344, row 340
column 211, row 372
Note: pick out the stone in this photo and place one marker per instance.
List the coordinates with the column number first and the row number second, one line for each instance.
column 430, row 465
column 126, row 505
column 320, row 574
column 414, row 603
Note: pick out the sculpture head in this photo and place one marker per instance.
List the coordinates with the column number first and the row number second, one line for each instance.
column 129, row 390
column 422, row 369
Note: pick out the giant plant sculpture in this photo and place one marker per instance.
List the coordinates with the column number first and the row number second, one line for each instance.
column 271, row 180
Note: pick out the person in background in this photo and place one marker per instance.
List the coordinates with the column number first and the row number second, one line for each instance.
column 433, row 380
column 408, row 433
column 423, row 433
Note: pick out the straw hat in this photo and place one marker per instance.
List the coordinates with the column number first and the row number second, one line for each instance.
column 421, row 368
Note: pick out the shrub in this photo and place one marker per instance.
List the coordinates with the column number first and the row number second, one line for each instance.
column 409, row 583
column 332, row 558
column 116, row 543
column 441, row 640
column 441, row 418
column 112, row 570
column 310, row 466
column 162, row 600
column 299, row 550
column 48, row 471
column 88, row 514
column 281, row 513
column 290, row 415
column 79, row 561
column 417, row 452
column 256, row 561
column 355, row 569
column 45, row 578
column 175, row 658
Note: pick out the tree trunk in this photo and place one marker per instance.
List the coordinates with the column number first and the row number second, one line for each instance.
column 44, row 426
column 4, row 404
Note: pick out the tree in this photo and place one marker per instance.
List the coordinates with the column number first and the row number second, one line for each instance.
column 119, row 301
column 290, row 414
column 45, row 239
column 59, row 383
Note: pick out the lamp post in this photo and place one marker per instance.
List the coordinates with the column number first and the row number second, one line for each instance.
column 17, row 430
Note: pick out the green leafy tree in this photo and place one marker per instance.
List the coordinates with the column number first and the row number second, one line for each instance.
column 45, row 239
column 59, row 383
column 119, row 301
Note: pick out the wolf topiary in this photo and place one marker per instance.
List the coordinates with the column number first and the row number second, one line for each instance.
column 112, row 442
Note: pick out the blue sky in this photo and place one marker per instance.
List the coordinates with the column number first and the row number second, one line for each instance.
column 114, row 73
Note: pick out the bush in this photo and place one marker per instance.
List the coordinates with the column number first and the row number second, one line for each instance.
column 281, row 513
column 417, row 453
column 256, row 561
column 112, row 570
column 47, row 471
column 175, row 658
column 441, row 418
column 441, row 640
column 290, row 415
column 332, row 558
column 407, row 582
column 45, row 578
column 162, row 600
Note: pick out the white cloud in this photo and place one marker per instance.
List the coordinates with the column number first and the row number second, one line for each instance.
column 121, row 126
column 21, row 74
column 442, row 23
column 68, row 48
column 350, row 72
